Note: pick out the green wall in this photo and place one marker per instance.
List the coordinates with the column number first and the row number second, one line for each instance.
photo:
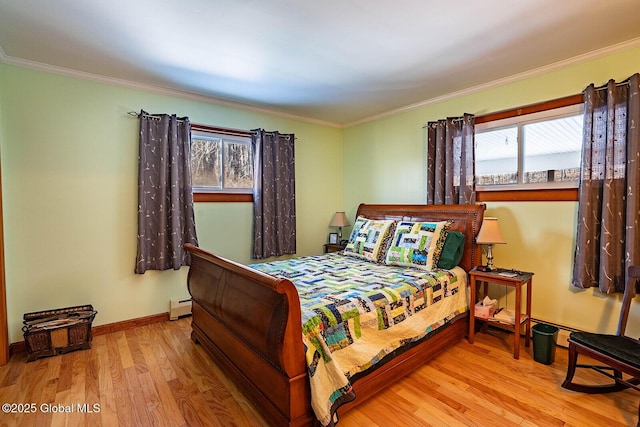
column 384, row 162
column 69, row 176
column 69, row 188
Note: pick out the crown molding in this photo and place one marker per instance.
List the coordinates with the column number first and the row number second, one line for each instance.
column 39, row 66
column 596, row 54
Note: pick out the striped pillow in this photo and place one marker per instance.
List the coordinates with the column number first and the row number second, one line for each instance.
column 417, row 244
column 369, row 239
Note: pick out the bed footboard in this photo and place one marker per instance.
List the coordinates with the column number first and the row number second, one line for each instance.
column 249, row 322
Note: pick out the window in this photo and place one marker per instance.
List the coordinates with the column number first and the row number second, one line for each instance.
column 221, row 163
column 538, row 150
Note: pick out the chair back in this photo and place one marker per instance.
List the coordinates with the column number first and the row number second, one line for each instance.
column 629, row 292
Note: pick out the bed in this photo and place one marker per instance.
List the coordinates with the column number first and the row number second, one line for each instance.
column 250, row 323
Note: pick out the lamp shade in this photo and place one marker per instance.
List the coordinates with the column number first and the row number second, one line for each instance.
column 489, row 232
column 339, row 220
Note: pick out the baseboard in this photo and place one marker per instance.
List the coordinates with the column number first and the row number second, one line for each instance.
column 129, row 324
column 20, row 347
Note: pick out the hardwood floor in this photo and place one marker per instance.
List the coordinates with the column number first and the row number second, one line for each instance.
column 154, row 375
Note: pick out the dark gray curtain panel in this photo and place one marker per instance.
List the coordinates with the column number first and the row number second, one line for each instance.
column 274, row 196
column 608, row 233
column 165, row 201
column 451, row 161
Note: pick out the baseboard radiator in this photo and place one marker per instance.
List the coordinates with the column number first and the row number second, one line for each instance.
column 179, row 308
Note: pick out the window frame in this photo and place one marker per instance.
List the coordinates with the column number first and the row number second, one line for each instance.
column 519, row 123
column 221, row 195
column 528, row 194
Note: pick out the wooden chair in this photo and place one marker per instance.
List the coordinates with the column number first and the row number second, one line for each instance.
column 620, row 353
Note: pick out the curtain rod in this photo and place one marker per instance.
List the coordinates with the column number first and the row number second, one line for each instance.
column 542, row 106
column 224, row 131
column 606, row 85
column 199, row 127
column 452, row 119
column 206, row 128
column 151, row 116
column 528, row 109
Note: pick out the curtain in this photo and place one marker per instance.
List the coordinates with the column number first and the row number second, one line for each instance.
column 451, row 161
column 274, row 198
column 165, row 201
column 607, row 239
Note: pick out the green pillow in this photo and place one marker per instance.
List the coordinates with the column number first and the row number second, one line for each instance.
column 452, row 250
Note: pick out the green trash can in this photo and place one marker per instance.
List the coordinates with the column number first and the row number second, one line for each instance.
column 545, row 338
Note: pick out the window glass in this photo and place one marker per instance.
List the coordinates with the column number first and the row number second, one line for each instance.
column 497, row 156
column 238, row 171
column 221, row 163
column 552, row 150
column 206, row 162
column 537, row 150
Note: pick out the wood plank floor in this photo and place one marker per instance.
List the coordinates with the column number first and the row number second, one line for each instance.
column 154, row 375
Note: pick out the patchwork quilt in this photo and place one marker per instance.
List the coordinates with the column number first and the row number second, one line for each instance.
column 355, row 312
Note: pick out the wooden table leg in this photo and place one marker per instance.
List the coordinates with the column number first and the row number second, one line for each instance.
column 527, row 338
column 472, row 309
column 517, row 325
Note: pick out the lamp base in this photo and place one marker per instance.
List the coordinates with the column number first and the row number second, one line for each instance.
column 490, row 266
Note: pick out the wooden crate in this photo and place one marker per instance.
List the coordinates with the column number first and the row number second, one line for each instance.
column 51, row 332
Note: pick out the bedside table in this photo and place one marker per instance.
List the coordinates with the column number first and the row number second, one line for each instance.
column 516, row 281
column 330, row 247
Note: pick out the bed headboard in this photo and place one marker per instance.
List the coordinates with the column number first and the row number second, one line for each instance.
column 466, row 219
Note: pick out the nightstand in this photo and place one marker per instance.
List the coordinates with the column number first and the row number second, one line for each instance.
column 514, row 280
column 330, row 247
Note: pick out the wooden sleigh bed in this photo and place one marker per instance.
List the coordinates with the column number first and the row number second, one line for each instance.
column 250, row 323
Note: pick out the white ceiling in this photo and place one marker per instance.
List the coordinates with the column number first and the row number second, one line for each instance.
column 334, row 61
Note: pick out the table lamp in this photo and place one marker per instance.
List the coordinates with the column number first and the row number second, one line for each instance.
column 489, row 235
column 339, row 220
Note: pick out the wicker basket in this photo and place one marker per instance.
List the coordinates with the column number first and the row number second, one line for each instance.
column 51, row 332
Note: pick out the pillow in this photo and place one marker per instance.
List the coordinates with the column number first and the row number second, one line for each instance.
column 417, row 244
column 369, row 239
column 452, row 250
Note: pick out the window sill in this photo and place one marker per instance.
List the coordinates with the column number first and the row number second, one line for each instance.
column 222, row 197
column 539, row 195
